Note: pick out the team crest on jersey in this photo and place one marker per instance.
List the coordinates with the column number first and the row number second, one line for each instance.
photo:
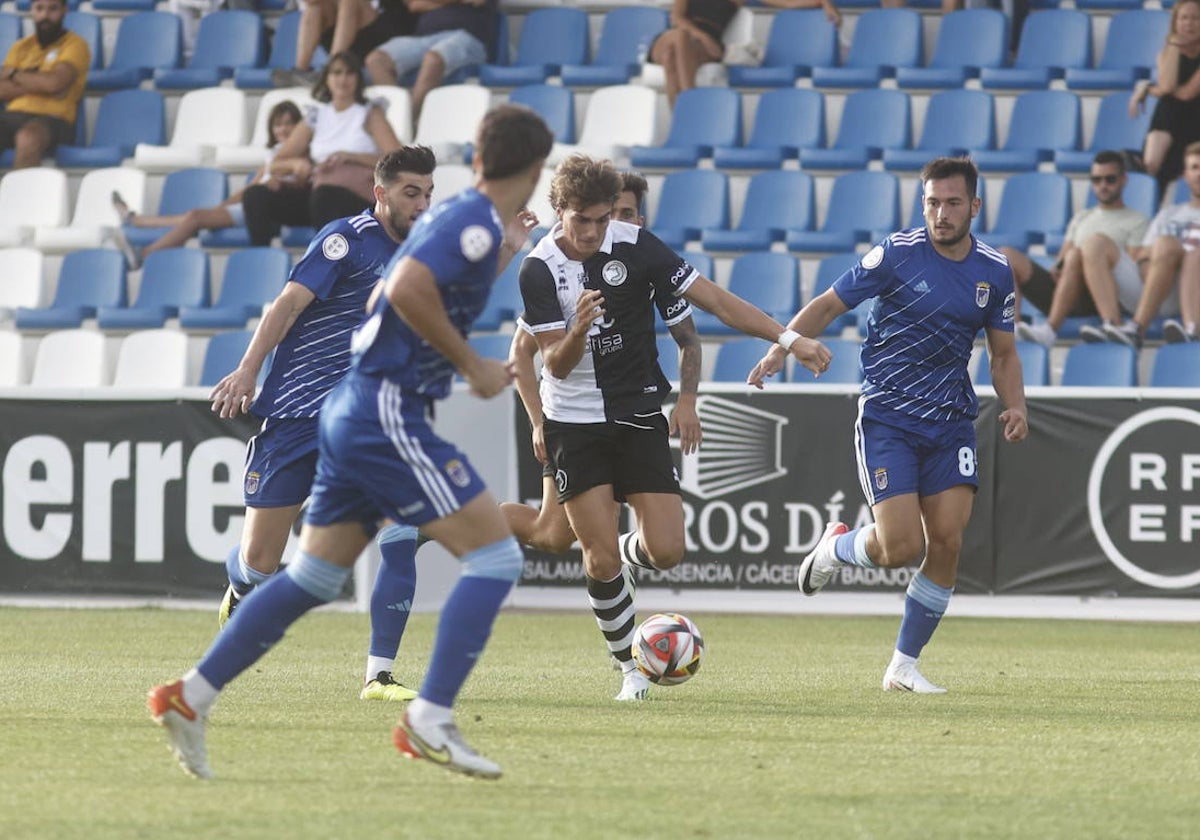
column 252, row 479
column 335, row 246
column 458, row 472
column 614, row 272
column 983, row 293
column 475, row 241
column 881, row 479
column 873, row 258
column 560, row 480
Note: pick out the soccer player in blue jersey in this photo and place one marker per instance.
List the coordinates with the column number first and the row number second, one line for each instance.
column 380, row 459
column 934, row 287
column 308, row 326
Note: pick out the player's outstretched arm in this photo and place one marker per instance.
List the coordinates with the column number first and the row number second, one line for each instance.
column 811, row 320
column 684, row 420
column 1005, row 367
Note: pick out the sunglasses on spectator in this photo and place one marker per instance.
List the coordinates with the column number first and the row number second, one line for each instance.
column 1105, row 179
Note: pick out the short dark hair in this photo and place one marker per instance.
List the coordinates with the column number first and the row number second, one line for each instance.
column 581, row 181
column 510, row 139
column 1191, row 149
column 635, row 182
column 285, row 108
column 1108, row 156
column 418, row 160
column 320, row 90
column 948, row 167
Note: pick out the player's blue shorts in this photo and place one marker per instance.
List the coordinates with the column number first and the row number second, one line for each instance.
column 281, row 461
column 894, row 461
column 380, row 458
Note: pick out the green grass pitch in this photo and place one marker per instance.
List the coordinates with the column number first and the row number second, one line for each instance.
column 1051, row 729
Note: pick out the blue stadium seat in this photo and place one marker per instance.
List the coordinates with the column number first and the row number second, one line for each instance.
column 786, row 121
column 845, row 368
column 956, row 121
column 145, row 41
column 505, row 302
column 766, row 279
column 860, row 202
column 1042, row 123
column 25, row 5
column 124, row 119
column 1130, row 51
column 124, row 5
column 625, row 39
column 1052, row 40
column 737, row 357
column 223, row 354
column 799, row 40
column 700, row 261
column 884, row 40
column 10, row 32
column 703, row 118
column 282, row 57
column 171, row 278
column 1140, row 193
column 1109, row 5
column 253, row 277
column 554, row 104
column 829, row 269
column 183, row 190
column 776, row 202
column 226, row 40
column 1035, row 365
column 550, row 38
column 968, row 40
column 491, row 346
column 1100, row 365
column 87, row 26
column 668, row 357
column 872, row 121
column 1033, row 205
column 88, row 279
column 1176, row 366
column 1113, row 129
column 691, row 201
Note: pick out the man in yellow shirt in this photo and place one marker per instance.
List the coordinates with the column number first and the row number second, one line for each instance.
column 42, row 80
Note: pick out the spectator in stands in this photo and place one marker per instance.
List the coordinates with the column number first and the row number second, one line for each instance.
column 340, row 25
column 42, row 80
column 325, row 169
column 1164, row 246
column 450, row 35
column 1176, row 120
column 284, row 117
column 1187, row 326
column 1102, row 248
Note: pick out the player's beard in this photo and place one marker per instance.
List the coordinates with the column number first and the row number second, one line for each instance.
column 48, row 31
column 953, row 238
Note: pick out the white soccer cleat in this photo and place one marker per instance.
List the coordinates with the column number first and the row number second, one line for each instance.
column 635, row 686
column 185, row 728
column 821, row 564
column 444, row 746
column 908, row 678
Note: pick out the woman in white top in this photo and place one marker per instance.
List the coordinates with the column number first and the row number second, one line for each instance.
column 330, row 157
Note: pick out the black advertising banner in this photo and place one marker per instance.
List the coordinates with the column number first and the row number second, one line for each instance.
column 118, row 497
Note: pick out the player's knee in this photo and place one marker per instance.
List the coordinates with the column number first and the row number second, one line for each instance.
column 501, row 560
column 947, row 546
column 260, row 557
column 900, row 551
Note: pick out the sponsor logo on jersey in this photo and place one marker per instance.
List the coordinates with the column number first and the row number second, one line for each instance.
column 335, row 246
column 1010, row 308
column 677, row 307
column 983, row 293
column 476, row 242
column 252, row 479
column 614, row 272
column 921, row 288
column 873, row 258
column 458, row 472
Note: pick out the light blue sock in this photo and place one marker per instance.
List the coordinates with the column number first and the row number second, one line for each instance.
column 924, row 605
column 851, row 547
column 241, row 577
column 395, row 585
column 260, row 622
column 466, row 622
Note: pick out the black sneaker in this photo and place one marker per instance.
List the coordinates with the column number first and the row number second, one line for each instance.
column 1174, row 332
column 1127, row 334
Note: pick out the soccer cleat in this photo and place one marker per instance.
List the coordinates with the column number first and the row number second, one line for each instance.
column 185, row 728
column 821, row 564
column 908, row 678
column 1043, row 334
column 385, row 687
column 444, row 746
column 1126, row 333
column 228, row 604
column 635, row 686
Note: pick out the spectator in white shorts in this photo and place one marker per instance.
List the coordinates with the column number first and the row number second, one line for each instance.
column 1177, row 331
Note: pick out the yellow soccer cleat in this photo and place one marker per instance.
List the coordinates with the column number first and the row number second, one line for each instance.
column 385, row 687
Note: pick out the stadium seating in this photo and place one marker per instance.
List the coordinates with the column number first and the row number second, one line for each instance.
column 883, row 40
column 737, row 357
column 1176, row 366
column 703, row 118
column 700, row 261
column 829, row 269
column 146, row 41
column 152, row 359
column 253, row 278
column 10, row 31
column 86, row 26
column 31, row 198
column 88, row 279
column 21, row 269
column 1035, row 365
column 860, row 202
column 1042, row 123
column 1052, row 40
column 787, row 120
column 1130, row 51
column 227, row 39
column 872, row 121
column 182, row 190
column 206, row 119
column 70, row 359
column 494, row 346
column 967, row 41
column 282, row 57
column 451, row 115
column 397, row 106
column 799, row 40
column 768, row 280
column 691, row 201
column 505, row 302
column 171, row 278
column 1100, row 365
column 12, row 361
column 624, row 42
column 1113, row 129
column 617, row 118
column 1033, row 205
column 550, row 38
column 776, row 202
column 956, row 122
column 222, row 354
column 123, row 5
column 553, row 103
column 124, row 119
column 845, row 368
column 668, row 357
column 253, row 154
column 94, row 215
column 1140, row 193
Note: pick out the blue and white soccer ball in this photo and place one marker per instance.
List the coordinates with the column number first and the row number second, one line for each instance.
column 668, row 648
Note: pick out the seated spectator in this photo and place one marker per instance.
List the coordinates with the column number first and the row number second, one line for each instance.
column 450, row 35
column 356, row 26
column 1187, row 326
column 1102, row 247
column 1175, row 123
column 696, row 32
column 284, row 117
column 42, row 80
column 1164, row 245
column 325, row 169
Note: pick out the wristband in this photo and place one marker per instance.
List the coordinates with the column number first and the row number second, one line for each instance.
column 787, row 338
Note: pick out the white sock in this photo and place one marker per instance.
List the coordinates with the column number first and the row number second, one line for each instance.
column 899, row 659
column 421, row 712
column 198, row 692
column 375, row 664
column 628, row 668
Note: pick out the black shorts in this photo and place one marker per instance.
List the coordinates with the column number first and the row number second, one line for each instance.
column 632, row 454
column 61, row 131
column 1040, row 292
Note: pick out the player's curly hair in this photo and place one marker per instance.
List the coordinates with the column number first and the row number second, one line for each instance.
column 948, row 167
column 581, row 181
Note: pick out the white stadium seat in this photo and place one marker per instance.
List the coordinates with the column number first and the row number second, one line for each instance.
column 206, row 119
column 450, row 179
column 10, row 360
column 617, row 117
column 252, row 155
column 399, row 108
column 152, row 359
column 94, row 216
column 20, row 279
column 70, row 359
column 31, row 198
column 451, row 115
